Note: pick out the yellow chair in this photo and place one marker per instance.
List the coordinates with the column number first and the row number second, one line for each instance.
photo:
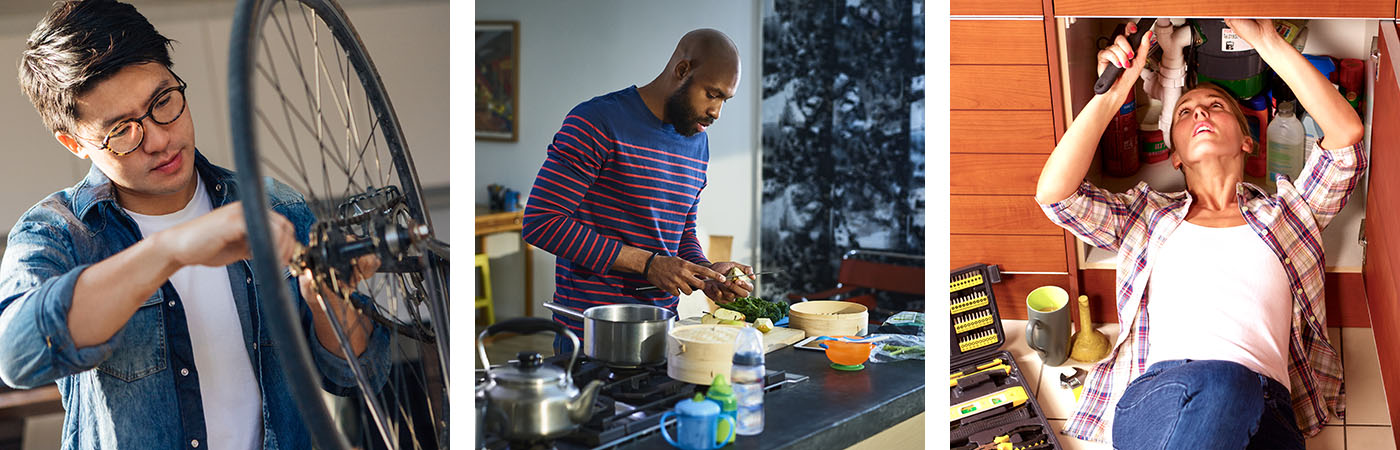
column 483, row 298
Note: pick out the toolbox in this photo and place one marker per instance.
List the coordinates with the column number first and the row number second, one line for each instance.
column 993, row 405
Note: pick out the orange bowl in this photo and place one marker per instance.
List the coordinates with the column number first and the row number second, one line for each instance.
column 848, row 353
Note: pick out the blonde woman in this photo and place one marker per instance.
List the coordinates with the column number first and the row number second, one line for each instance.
column 1219, row 287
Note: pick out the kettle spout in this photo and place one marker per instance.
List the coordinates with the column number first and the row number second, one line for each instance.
column 581, row 407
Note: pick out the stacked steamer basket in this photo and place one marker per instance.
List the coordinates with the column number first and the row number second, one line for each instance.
column 696, row 353
column 829, row 318
column 991, row 400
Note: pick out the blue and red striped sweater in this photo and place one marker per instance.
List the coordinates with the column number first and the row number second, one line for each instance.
column 615, row 175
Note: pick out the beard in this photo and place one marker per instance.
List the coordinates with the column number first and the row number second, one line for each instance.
column 682, row 115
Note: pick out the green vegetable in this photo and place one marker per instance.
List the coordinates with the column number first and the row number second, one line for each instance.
column 754, row 308
column 895, row 350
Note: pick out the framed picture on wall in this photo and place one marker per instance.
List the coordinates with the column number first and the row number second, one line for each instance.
column 497, row 80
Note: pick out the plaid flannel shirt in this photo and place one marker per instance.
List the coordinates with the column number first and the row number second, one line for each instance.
column 1136, row 223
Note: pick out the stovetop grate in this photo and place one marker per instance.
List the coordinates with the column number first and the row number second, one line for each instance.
column 629, row 405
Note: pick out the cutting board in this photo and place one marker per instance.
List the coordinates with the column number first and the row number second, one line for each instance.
column 774, row 339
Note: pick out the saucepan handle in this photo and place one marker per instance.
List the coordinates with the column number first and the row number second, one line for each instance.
column 561, row 309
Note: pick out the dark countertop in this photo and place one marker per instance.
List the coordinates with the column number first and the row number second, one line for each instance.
column 832, row 409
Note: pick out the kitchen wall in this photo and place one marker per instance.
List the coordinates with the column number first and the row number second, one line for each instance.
column 573, row 51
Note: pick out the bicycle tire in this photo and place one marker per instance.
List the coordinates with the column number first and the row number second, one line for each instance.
column 279, row 304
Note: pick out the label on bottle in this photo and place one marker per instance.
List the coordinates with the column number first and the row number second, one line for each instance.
column 1154, row 148
column 1231, row 42
column 1283, row 162
column 1118, row 147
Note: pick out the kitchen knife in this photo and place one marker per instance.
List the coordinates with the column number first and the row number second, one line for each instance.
column 726, row 278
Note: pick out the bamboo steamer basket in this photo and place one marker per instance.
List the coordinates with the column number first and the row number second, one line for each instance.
column 829, row 318
column 696, row 353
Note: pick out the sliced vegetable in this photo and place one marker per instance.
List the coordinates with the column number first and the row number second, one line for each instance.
column 725, row 314
column 764, row 324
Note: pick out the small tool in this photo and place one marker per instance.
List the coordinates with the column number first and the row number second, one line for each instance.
column 984, row 423
column 965, row 281
column 978, row 340
column 995, row 365
column 968, row 302
column 727, row 278
column 1014, row 396
column 1072, row 380
column 972, row 321
column 1111, row 74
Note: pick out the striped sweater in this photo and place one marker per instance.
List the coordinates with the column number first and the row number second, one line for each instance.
column 615, row 175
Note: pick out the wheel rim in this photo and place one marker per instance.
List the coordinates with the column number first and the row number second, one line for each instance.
column 324, row 126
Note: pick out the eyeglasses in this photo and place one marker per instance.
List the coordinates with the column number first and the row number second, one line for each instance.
column 127, row 135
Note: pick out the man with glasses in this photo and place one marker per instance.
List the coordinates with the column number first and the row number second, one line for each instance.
column 131, row 289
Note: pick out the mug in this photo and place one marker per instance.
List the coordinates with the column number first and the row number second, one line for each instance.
column 1048, row 325
column 697, row 432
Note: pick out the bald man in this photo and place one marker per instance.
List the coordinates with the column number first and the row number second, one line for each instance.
column 616, row 197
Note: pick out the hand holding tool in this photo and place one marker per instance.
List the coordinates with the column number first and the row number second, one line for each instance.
column 1111, row 73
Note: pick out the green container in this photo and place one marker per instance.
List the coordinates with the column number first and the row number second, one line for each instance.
column 721, row 393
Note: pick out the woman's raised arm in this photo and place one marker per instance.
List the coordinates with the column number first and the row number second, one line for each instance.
column 1069, row 163
column 1339, row 123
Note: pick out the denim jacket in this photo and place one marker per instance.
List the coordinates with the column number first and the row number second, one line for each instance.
column 144, row 392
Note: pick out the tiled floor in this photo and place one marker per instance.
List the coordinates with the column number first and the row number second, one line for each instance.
column 1367, row 425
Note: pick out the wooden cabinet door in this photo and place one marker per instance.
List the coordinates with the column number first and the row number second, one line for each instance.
column 1216, row 8
column 1381, row 269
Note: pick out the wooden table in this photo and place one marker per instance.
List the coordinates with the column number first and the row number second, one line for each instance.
column 21, row 403
column 489, row 222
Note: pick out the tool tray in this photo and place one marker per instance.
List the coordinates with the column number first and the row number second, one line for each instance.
column 991, row 399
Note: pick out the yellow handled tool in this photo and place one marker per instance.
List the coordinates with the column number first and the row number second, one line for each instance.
column 995, row 364
column 1014, row 396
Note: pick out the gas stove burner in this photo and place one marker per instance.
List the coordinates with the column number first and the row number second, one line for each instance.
column 630, row 403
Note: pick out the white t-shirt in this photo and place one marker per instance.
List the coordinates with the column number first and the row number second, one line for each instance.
column 1220, row 293
column 232, row 403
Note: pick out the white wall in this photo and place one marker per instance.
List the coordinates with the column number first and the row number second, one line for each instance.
column 573, row 51
column 412, row 60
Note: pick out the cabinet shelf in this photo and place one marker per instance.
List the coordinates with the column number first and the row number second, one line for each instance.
column 1341, row 38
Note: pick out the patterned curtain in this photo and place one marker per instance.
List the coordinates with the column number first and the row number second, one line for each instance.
column 843, row 136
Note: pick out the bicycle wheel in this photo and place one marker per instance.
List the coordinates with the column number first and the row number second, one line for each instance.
column 308, row 110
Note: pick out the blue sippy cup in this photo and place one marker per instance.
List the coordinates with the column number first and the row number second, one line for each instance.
column 697, row 421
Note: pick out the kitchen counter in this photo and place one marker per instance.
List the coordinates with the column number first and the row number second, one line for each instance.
column 832, row 409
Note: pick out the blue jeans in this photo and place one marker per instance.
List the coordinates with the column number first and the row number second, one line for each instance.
column 1186, row 404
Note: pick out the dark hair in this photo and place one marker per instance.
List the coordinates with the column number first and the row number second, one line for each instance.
column 81, row 43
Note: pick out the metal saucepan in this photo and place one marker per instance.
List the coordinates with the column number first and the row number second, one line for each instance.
column 623, row 335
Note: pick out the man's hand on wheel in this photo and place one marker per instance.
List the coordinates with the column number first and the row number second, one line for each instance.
column 220, row 238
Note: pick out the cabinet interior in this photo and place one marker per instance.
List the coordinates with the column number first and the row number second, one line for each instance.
column 1340, row 38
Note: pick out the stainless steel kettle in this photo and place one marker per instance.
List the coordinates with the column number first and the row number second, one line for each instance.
column 528, row 401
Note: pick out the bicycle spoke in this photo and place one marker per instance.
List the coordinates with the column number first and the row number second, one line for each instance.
column 312, row 72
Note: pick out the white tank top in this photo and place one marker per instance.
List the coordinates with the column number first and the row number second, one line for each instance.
column 1220, row 293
